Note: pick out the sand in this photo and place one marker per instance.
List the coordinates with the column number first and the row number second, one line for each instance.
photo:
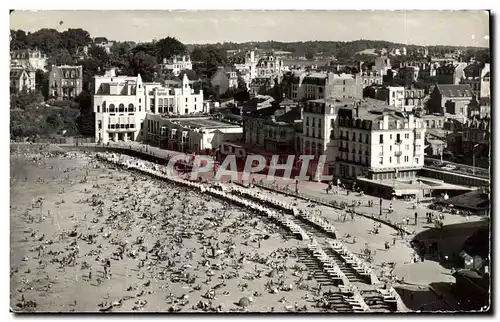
column 70, row 215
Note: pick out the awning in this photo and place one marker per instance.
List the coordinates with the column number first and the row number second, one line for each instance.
column 403, row 192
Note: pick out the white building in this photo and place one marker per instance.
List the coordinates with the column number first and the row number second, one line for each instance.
column 119, row 106
column 319, row 117
column 485, row 82
column 249, row 67
column 396, row 96
column 382, row 65
column 199, row 135
column 362, row 138
column 183, row 100
column 269, row 66
column 21, row 79
column 377, row 143
column 27, row 58
column 177, row 64
column 122, row 102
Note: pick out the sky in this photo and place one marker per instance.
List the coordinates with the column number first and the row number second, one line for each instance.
column 454, row 28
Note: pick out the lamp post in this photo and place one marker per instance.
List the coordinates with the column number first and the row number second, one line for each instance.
column 474, row 158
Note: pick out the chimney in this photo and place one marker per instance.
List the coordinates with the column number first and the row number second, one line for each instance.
column 411, row 120
column 386, row 120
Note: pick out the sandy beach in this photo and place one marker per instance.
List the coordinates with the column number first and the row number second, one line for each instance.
column 88, row 237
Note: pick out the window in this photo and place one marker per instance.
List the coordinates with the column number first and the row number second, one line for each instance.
column 354, row 136
column 186, row 99
column 407, row 147
column 98, row 109
column 390, row 147
column 406, row 158
column 407, row 135
column 398, row 138
column 186, row 111
column 390, row 159
column 390, row 136
column 99, row 125
column 381, row 160
column 139, row 98
column 341, row 135
column 307, row 122
column 381, row 139
column 416, row 160
column 418, row 136
column 417, row 147
column 366, row 138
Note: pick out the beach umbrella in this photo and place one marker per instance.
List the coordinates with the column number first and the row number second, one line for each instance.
column 244, row 302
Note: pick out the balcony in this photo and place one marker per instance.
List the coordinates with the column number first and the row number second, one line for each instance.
column 398, row 154
column 121, row 130
column 398, row 142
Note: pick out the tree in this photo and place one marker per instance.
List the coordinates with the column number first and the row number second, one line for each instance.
column 42, row 82
column 100, row 54
column 72, row 39
column 191, row 74
column 148, row 48
column 60, row 57
column 90, row 68
column 210, row 58
column 120, row 54
column 23, row 100
column 309, row 55
column 84, row 100
column 46, row 40
column 18, row 39
column 144, row 64
column 86, row 124
column 168, row 48
column 277, row 91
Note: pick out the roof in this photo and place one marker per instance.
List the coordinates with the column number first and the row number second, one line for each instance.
column 100, row 39
column 473, row 200
column 435, row 141
column 16, row 73
column 463, row 90
column 290, row 116
column 205, row 123
column 287, row 101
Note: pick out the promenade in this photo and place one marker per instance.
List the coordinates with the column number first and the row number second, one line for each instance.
column 402, row 210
